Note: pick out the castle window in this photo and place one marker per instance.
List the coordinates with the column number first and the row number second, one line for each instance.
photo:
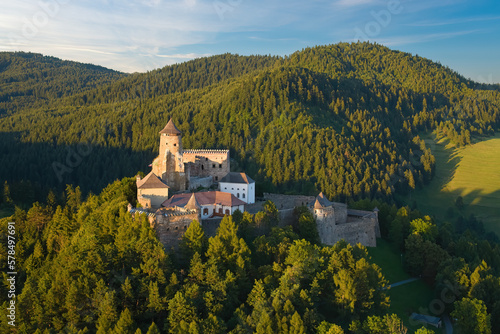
column 227, row 212
column 216, row 178
column 213, row 165
column 185, row 227
column 225, row 188
column 220, row 210
column 243, row 195
column 206, row 159
column 205, row 211
column 220, row 165
column 238, row 195
column 177, row 227
column 175, row 144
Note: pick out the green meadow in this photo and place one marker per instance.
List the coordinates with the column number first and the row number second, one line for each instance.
column 472, row 172
column 407, row 298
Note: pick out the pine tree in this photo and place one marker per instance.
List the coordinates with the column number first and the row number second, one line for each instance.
column 193, row 241
column 125, row 324
column 155, row 302
column 297, row 325
column 107, row 314
column 153, row 329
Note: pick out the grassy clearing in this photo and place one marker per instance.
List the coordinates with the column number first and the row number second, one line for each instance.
column 412, row 297
column 388, row 260
column 472, row 172
column 407, row 298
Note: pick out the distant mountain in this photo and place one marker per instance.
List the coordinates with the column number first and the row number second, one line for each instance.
column 31, row 78
column 343, row 119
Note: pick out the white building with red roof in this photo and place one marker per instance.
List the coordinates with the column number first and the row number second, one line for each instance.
column 211, row 203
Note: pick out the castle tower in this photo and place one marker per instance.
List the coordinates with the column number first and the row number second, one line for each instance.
column 324, row 213
column 170, row 139
column 169, row 165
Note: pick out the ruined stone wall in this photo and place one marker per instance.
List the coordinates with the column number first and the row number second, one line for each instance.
column 203, row 163
column 144, row 202
column 196, row 182
column 154, row 196
column 170, row 228
column 288, row 201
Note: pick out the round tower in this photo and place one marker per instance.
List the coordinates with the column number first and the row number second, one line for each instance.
column 169, row 165
column 170, row 140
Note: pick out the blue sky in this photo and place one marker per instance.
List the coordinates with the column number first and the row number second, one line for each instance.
column 143, row 35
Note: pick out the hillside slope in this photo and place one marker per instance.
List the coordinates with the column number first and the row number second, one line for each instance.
column 343, row 119
column 28, row 79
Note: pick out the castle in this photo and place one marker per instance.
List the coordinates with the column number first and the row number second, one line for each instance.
column 334, row 221
column 178, row 170
column 164, row 196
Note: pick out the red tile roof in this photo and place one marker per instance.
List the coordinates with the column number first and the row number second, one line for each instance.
column 204, row 198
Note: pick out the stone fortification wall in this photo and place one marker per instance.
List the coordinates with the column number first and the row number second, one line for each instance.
column 204, row 182
column 362, row 231
column 171, row 227
column 333, row 222
column 288, row 201
column 340, row 211
column 286, row 217
column 203, row 163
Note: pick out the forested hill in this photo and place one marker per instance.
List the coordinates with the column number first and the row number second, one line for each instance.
column 343, row 119
column 177, row 78
column 30, row 78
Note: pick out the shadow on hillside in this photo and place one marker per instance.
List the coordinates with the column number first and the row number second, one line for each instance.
column 53, row 166
column 450, row 165
column 486, row 207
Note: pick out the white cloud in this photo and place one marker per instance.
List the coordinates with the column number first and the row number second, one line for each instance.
column 140, row 35
column 354, row 3
column 185, row 56
column 454, row 21
column 413, row 39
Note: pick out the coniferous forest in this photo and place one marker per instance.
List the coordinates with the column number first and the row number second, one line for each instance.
column 345, row 119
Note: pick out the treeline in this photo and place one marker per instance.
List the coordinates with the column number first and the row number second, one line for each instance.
column 176, row 78
column 343, row 119
column 30, row 79
column 91, row 267
column 457, row 107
